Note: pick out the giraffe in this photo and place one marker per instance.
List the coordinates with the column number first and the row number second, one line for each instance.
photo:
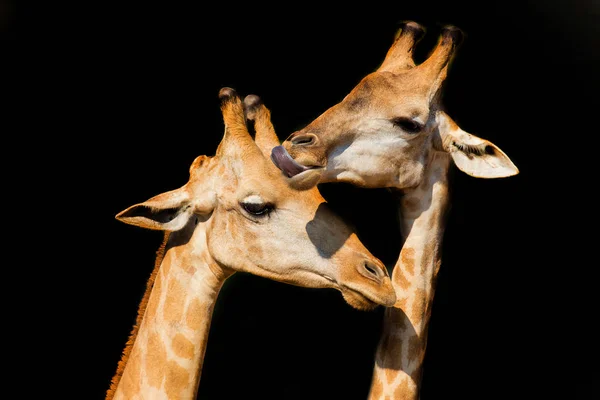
column 391, row 131
column 235, row 213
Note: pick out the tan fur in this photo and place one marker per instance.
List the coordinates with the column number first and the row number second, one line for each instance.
column 183, row 347
column 176, row 379
column 420, row 301
column 377, row 387
column 400, row 279
column 173, row 307
column 402, row 391
column 390, row 373
column 195, row 315
column 408, row 259
column 154, row 301
column 140, row 315
column 401, row 303
column 155, row 365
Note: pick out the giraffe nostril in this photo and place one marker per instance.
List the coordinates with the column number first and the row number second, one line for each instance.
column 372, row 271
column 304, row 140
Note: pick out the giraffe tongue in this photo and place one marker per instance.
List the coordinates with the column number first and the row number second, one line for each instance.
column 282, row 159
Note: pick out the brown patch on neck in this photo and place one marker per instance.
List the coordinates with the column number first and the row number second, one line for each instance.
column 376, row 388
column 419, row 306
column 176, row 379
column 407, row 256
column 195, row 315
column 183, row 347
column 403, row 391
column 416, row 350
column 154, row 368
column 174, row 301
column 160, row 253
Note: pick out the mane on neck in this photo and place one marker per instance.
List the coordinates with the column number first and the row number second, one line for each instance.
column 160, row 253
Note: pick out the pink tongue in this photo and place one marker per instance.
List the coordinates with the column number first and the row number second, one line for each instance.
column 282, row 159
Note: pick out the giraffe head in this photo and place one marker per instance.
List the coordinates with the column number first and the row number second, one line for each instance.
column 254, row 221
column 384, row 132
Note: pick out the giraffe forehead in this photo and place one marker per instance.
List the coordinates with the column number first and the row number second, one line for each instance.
column 412, row 106
column 380, row 97
column 260, row 185
column 385, row 84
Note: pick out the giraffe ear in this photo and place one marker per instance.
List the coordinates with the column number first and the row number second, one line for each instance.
column 473, row 155
column 169, row 211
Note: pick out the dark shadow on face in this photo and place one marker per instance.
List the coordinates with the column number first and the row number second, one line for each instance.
column 328, row 238
column 371, row 213
column 389, row 341
column 183, row 236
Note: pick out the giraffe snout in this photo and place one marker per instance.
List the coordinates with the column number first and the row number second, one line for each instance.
column 381, row 288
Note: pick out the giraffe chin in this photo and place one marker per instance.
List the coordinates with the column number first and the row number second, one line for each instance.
column 358, row 301
column 307, row 179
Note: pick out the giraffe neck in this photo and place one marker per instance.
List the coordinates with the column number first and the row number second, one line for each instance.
column 165, row 361
column 401, row 350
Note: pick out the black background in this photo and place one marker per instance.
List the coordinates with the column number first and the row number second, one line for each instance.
column 129, row 98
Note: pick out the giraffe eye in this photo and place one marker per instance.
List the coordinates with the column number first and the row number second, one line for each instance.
column 407, row 124
column 257, row 209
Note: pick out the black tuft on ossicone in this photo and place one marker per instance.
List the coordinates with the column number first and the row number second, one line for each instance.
column 227, row 93
column 413, row 28
column 451, row 32
column 251, row 104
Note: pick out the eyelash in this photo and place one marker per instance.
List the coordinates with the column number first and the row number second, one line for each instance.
column 407, row 125
column 258, row 209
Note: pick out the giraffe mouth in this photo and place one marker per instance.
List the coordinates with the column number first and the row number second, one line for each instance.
column 362, row 299
column 290, row 167
column 358, row 300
